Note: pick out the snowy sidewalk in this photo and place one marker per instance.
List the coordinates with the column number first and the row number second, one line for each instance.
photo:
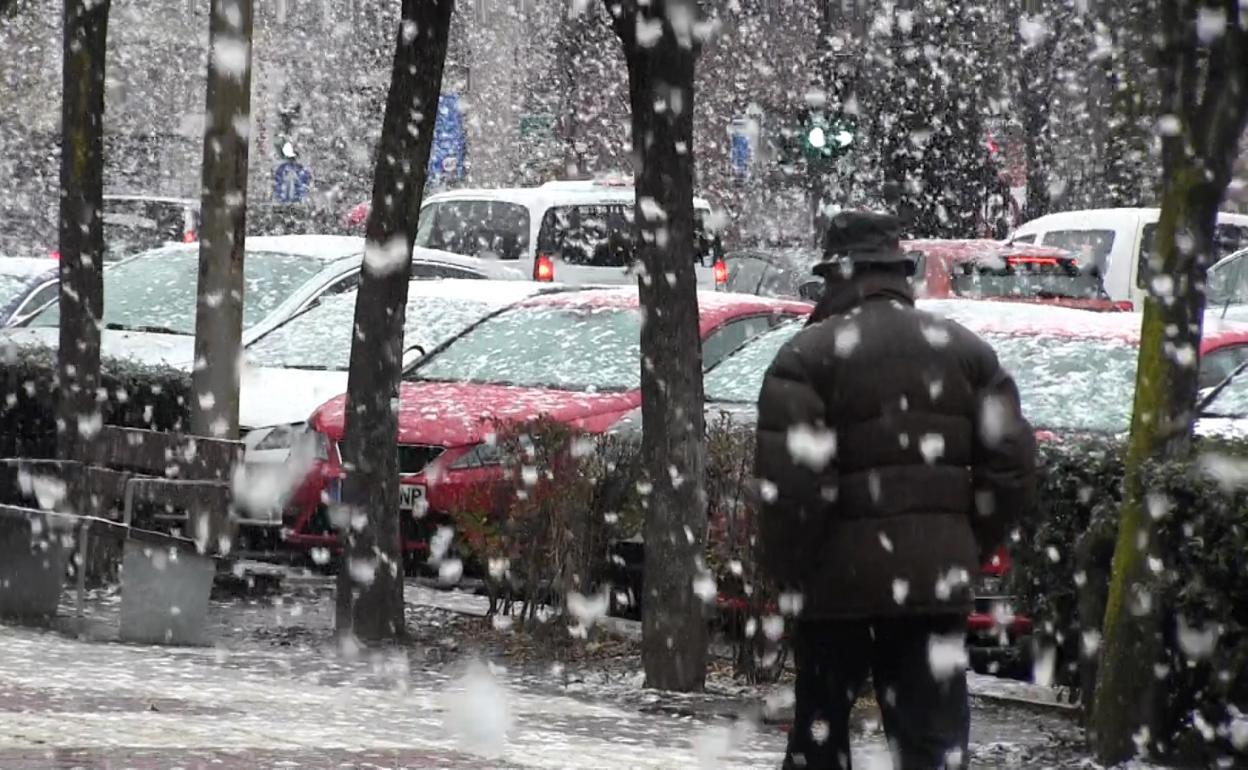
column 276, row 692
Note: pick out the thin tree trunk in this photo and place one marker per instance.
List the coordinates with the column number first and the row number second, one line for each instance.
column 370, row 587
column 81, row 232
column 1198, row 152
column 660, row 77
column 219, row 298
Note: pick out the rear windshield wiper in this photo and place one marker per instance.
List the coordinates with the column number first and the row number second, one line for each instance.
column 150, row 329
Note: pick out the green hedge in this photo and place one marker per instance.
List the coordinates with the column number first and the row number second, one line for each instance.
column 1063, row 555
column 132, row 395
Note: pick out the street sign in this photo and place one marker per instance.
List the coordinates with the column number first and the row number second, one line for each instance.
column 446, row 157
column 290, row 182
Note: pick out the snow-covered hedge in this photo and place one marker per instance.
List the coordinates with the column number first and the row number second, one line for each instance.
column 132, row 395
column 1063, row 557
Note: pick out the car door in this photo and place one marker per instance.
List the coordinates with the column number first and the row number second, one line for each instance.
column 34, row 302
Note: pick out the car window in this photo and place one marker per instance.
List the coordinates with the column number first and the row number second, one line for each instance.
column 782, row 281
column 739, row 377
column 495, row 229
column 602, row 235
column 587, row 349
column 1028, row 238
column 1220, row 364
column 1090, row 247
column 37, row 299
column 349, row 283
column 320, row 338
column 745, row 273
column 157, row 289
column 1227, row 284
column 733, row 335
column 1029, row 277
column 426, row 270
column 11, row 287
column 1228, row 239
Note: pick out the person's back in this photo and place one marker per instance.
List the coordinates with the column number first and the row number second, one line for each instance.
column 892, row 456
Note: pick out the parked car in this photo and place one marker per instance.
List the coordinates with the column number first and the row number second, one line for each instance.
column 572, row 356
column 1075, row 373
column 149, row 307
column 1119, row 242
column 979, row 269
column 26, row 285
column 135, row 223
column 577, row 232
column 302, row 363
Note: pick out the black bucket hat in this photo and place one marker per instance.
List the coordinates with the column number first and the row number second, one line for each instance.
column 861, row 237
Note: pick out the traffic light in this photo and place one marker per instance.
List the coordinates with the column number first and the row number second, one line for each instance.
column 826, row 138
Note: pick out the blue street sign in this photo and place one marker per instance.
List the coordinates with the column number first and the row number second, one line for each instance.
column 446, row 157
column 290, row 182
column 740, row 152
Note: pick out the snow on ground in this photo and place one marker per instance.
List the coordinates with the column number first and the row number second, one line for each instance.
column 276, row 691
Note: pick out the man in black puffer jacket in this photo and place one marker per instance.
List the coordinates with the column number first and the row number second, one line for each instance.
column 892, row 457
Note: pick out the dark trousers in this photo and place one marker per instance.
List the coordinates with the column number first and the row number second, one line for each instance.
column 923, row 702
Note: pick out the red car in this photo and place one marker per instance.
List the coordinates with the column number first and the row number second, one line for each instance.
column 1019, row 272
column 573, row 356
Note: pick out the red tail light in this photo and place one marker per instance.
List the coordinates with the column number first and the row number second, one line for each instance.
column 188, row 236
column 54, row 254
column 1123, row 306
column 543, row 269
column 1031, row 260
column 721, row 273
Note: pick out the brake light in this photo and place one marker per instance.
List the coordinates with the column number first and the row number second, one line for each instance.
column 188, row 236
column 1031, row 260
column 720, row 270
column 543, row 269
column 1124, row 306
column 54, row 254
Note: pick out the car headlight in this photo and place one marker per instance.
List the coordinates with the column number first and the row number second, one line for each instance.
column 479, row 456
column 282, row 436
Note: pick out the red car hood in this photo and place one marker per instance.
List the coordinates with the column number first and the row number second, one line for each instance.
column 453, row 414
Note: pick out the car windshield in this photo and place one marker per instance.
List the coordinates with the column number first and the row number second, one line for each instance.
column 156, row 290
column 321, row 337
column 11, row 286
column 1026, row 277
column 1070, row 383
column 578, row 348
column 739, row 377
column 1066, row 383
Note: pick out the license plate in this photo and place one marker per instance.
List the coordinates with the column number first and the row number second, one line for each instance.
column 412, row 498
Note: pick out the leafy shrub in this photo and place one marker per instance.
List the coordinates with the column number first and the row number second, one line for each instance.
column 569, row 498
column 131, row 395
column 1063, row 557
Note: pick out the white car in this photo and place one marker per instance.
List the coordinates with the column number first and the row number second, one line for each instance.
column 303, row 363
column 573, row 232
column 26, row 285
column 149, row 305
column 1119, row 242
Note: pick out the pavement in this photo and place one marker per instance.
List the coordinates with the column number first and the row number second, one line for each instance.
column 275, row 690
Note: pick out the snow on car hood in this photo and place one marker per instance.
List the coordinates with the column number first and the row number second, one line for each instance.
column 456, row 414
column 175, row 350
column 270, row 396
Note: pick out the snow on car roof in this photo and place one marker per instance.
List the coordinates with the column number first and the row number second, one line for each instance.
column 958, row 251
column 714, row 307
column 26, row 266
column 1018, row 318
column 1114, row 218
column 486, row 291
column 550, row 194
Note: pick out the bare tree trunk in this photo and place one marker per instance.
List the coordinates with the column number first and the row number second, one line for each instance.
column 660, row 77
column 219, row 307
column 81, row 232
column 370, row 587
column 1204, row 115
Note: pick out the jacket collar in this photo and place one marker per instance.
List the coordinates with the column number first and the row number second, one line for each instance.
column 841, row 296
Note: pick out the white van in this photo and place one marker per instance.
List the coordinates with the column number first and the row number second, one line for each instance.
column 1119, row 242
column 578, row 232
